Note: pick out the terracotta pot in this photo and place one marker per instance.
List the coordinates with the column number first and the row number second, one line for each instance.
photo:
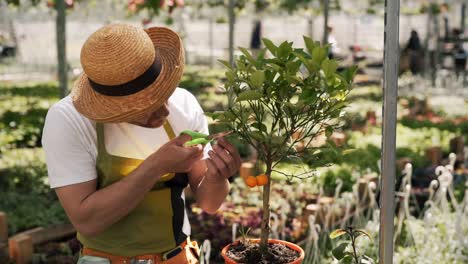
column 290, row 245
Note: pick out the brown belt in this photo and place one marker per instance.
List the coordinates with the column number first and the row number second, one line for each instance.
column 155, row 258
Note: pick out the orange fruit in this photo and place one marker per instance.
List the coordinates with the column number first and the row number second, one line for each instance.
column 262, row 179
column 251, row 181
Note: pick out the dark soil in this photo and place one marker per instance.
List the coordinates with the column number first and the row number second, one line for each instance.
column 249, row 253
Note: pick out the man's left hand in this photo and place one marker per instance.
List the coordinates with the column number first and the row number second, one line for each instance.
column 223, row 162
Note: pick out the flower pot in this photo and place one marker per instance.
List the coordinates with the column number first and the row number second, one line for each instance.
column 290, row 245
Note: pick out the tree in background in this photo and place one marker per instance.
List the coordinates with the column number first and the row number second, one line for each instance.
column 60, row 7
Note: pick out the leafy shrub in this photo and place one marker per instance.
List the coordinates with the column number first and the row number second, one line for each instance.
column 29, row 210
column 447, row 125
column 329, row 181
column 22, row 113
column 26, row 196
column 48, row 90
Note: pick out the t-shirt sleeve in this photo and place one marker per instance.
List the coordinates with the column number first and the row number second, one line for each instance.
column 67, row 156
column 199, row 123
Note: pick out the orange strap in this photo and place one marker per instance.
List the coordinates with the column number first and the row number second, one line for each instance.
column 156, row 258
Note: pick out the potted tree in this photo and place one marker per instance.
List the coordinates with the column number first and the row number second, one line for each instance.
column 282, row 91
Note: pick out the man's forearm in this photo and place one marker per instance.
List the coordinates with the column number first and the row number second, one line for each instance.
column 106, row 206
column 211, row 194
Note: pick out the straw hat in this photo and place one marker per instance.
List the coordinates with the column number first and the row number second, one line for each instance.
column 128, row 72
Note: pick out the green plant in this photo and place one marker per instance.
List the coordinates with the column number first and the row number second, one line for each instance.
column 343, row 252
column 26, row 196
column 329, row 181
column 194, row 82
column 271, row 98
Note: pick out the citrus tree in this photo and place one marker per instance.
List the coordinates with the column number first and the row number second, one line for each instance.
column 281, row 92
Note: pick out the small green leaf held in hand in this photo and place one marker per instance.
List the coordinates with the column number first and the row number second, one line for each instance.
column 197, row 141
column 194, row 134
column 197, row 138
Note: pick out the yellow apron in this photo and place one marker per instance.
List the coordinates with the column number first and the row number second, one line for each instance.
column 155, row 225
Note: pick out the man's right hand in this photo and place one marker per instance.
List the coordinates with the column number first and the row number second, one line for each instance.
column 173, row 157
column 92, row 211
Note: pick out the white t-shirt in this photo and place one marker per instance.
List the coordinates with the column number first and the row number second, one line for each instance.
column 70, row 141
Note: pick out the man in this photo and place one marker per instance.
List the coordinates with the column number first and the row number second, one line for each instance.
column 113, row 156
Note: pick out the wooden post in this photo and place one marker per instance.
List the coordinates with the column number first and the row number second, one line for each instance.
column 3, row 236
column 457, row 145
column 21, row 249
column 3, row 228
column 434, row 154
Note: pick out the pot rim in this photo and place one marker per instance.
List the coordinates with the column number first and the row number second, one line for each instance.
column 290, row 245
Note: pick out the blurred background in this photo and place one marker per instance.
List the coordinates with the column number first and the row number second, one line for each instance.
column 40, row 44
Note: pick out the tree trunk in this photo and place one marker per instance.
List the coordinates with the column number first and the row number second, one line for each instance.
column 326, row 7
column 211, row 40
column 437, row 60
column 310, row 29
column 462, row 21
column 266, row 210
column 232, row 18
column 183, row 31
column 427, row 60
column 61, row 47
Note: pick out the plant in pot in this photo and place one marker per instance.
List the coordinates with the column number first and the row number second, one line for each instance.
column 283, row 91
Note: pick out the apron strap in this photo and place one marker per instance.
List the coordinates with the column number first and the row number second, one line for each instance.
column 100, row 137
column 169, row 130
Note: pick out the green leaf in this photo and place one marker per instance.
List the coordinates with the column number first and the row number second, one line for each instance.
column 310, row 44
column 348, row 259
column 241, row 65
column 277, row 140
column 367, row 260
column 248, row 55
column 293, row 66
column 328, row 133
column 270, row 46
column 284, row 50
column 215, row 115
column 258, row 77
column 319, row 54
column 349, row 73
column 337, row 233
column 257, row 135
column 230, row 76
column 226, row 64
column 260, row 126
column 340, row 251
column 261, row 54
column 311, row 66
column 349, row 151
column 329, row 67
column 249, row 95
column 364, row 232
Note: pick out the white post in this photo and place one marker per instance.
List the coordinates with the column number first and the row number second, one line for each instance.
column 387, row 183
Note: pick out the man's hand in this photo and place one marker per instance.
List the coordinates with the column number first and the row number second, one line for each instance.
column 223, row 162
column 208, row 178
column 174, row 157
column 92, row 211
